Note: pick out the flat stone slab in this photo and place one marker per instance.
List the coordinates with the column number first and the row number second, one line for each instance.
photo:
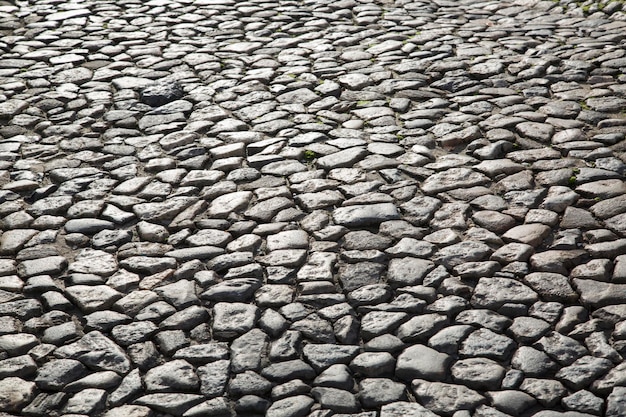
column 364, row 215
column 453, row 178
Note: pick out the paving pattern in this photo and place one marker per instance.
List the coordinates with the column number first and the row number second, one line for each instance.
column 312, row 208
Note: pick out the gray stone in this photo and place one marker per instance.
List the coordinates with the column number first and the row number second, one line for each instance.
column 420, row 361
column 88, row 401
column 563, row 349
column 373, row 364
column 616, row 404
column 353, row 216
column 50, row 265
column 401, row 409
column 98, row 352
column 336, row 376
column 530, row 234
column 375, row 392
column 100, row 380
column 484, row 342
column 248, row 383
column 296, row 406
column 408, row 271
column 215, row 406
column 583, row 371
column 547, row 392
column 129, row 411
column 551, row 287
column 175, row 376
column 172, row 403
column 161, row 93
column 17, row 343
column 90, row 298
column 583, row 401
column 288, row 370
column 321, row 356
column 337, row 400
column 493, row 293
column 56, row 374
column 376, row 323
column 533, row 362
column 599, row 294
column 478, row 373
column 467, row 251
column 354, row 276
column 511, row 402
column 16, row 393
column 135, row 332
column 246, row 351
column 453, row 178
column 233, row 319
column 203, row 353
column 421, row 327
column 448, row 340
column 446, row 398
column 213, row 378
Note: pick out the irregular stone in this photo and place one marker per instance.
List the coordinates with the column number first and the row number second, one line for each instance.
column 459, row 253
column 56, row 374
column 484, row 342
column 375, row 392
column 134, row 332
column 401, row 409
column 174, row 376
column 584, row 402
column 90, row 298
column 408, row 271
column 478, row 373
column 453, row 178
column 353, row 216
column 296, row 406
column 246, row 351
column 530, row 234
column 547, row 392
column 97, row 352
column 91, row 261
column 446, row 398
column 161, row 93
column 130, row 387
column 376, row 323
column 50, row 265
column 354, row 276
column 616, row 404
column 422, row 361
column 172, row 403
column 493, row 293
column 321, row 356
column 129, row 411
column 15, row 393
column 583, row 371
column 288, row 370
column 599, row 294
column 87, row 401
column 511, row 402
column 213, row 378
column 233, row 319
column 533, row 362
column 420, row 328
column 562, row 349
column 551, row 287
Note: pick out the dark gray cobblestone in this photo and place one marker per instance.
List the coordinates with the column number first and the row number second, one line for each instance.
column 312, row 208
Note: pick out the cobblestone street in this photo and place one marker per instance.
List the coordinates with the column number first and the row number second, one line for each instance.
column 312, row 208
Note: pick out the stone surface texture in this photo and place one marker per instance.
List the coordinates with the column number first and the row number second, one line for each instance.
column 366, row 208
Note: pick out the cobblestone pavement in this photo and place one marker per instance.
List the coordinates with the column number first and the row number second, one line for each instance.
column 312, row 208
